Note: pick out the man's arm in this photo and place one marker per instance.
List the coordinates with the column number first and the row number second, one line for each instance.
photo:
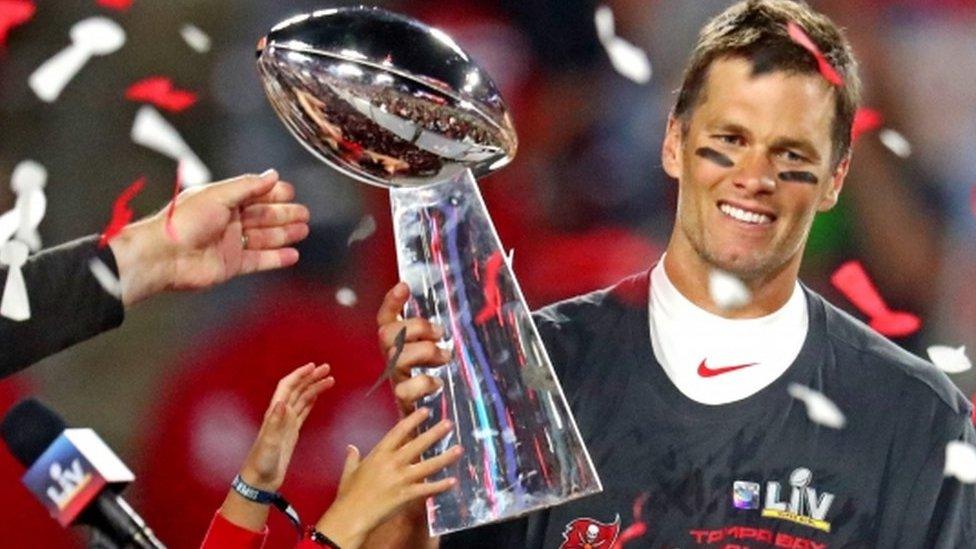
column 68, row 305
column 218, row 231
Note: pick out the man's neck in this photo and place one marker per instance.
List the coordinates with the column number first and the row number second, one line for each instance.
column 690, row 274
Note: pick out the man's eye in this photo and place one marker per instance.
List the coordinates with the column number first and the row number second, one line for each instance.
column 791, row 156
column 730, row 139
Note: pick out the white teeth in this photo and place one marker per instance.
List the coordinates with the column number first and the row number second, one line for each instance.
column 743, row 215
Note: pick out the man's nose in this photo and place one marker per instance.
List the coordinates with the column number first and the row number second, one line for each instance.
column 755, row 174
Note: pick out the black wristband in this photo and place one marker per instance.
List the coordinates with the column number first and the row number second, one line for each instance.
column 258, row 495
column 320, row 538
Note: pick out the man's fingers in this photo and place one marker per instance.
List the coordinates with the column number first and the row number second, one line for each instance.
column 301, row 385
column 265, row 260
column 423, row 469
column 392, row 304
column 273, row 215
column 403, row 430
column 411, row 451
column 270, row 238
column 282, row 191
column 411, row 390
column 426, row 489
column 286, row 386
column 239, row 190
column 308, row 397
column 421, row 354
column 417, row 329
column 351, row 464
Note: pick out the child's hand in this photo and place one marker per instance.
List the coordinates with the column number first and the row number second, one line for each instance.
column 268, row 459
column 390, row 476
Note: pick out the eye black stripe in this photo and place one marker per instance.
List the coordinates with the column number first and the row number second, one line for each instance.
column 715, row 156
column 799, row 177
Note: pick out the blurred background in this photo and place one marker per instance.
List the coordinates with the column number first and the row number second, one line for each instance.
column 179, row 390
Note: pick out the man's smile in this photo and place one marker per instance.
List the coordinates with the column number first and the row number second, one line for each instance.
column 745, row 215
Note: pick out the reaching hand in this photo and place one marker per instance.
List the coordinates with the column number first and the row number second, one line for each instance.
column 267, row 462
column 373, row 489
column 233, row 227
column 420, row 349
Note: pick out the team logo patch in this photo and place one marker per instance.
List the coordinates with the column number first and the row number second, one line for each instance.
column 587, row 533
column 804, row 506
column 745, row 495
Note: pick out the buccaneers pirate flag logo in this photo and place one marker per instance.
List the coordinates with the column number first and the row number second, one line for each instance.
column 586, row 533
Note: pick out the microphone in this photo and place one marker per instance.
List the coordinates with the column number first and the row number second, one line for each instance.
column 75, row 475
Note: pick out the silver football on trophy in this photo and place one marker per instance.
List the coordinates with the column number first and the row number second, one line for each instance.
column 383, row 98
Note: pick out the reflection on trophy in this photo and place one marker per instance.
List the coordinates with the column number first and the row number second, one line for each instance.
column 389, row 101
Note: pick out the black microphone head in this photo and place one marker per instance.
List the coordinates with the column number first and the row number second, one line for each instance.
column 29, row 428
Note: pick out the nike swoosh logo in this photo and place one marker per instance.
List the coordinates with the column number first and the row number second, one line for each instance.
column 705, row 371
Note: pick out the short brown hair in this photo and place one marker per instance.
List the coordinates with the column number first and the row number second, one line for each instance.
column 757, row 31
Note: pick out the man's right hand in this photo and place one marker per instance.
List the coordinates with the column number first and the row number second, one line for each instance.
column 420, row 349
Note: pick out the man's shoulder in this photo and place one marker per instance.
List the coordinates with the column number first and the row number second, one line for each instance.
column 626, row 296
column 879, row 357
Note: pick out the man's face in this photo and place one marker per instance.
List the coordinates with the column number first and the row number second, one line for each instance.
column 753, row 168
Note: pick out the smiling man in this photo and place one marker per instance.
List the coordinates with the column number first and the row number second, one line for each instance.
column 687, row 408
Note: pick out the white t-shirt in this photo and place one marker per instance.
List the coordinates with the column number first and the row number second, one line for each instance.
column 715, row 360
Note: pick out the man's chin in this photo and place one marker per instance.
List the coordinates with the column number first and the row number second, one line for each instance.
column 742, row 265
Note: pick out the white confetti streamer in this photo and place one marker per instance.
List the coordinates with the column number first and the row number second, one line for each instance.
column 626, row 58
column 152, row 131
column 14, row 303
column 105, row 277
column 820, row 409
column 346, row 297
column 95, row 36
column 603, row 19
column 364, row 229
column 727, row 291
column 27, row 182
column 950, row 360
column 629, row 60
column 195, row 38
column 960, row 461
column 895, row 142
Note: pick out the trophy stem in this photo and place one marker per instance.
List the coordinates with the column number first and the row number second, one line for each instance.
column 522, row 450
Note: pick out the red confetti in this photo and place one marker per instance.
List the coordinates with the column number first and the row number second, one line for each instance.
column 853, row 281
column 159, row 91
column 493, row 296
column 14, row 13
column 971, row 399
column 896, row 324
column 121, row 212
column 170, row 230
column 117, row 5
column 799, row 36
column 865, row 121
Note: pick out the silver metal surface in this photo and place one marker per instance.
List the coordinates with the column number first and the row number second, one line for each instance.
column 384, row 98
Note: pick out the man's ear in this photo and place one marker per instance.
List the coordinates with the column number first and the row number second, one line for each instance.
column 671, row 149
column 836, row 183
